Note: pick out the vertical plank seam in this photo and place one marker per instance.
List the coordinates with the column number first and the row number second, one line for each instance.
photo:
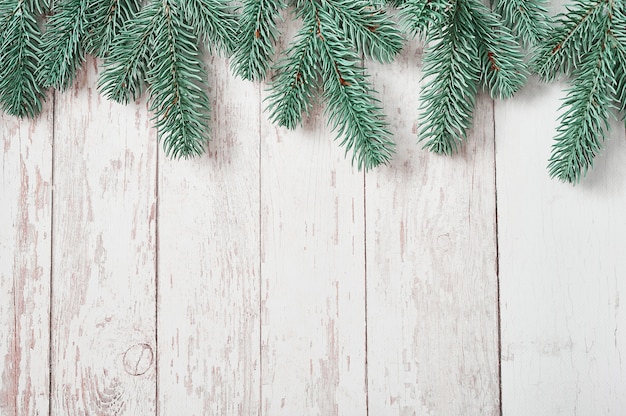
column 367, row 410
column 497, row 248
column 52, row 235
column 260, row 295
column 16, row 334
column 156, row 283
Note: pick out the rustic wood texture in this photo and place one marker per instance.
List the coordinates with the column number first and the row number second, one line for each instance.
column 209, row 323
column 268, row 277
column 562, row 268
column 431, row 265
column 313, row 274
column 25, row 240
column 103, row 265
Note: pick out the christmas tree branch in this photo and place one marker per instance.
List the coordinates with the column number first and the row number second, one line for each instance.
column 352, row 111
column 452, row 72
column 576, row 30
column 618, row 42
column 20, row 92
column 63, row 44
column 125, row 68
column 215, row 21
column 588, row 41
column 420, row 15
column 466, row 43
column 258, row 32
column 105, row 20
column 503, row 65
column 180, row 105
column 327, row 48
column 369, row 29
column 296, row 75
column 527, row 19
column 584, row 123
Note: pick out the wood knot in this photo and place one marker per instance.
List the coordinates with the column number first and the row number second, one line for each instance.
column 138, row 359
column 444, row 242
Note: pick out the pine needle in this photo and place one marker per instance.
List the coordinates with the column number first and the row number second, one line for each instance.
column 589, row 44
column 326, row 55
column 466, row 45
column 21, row 94
column 158, row 49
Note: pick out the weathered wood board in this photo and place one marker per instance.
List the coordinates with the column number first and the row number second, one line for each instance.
column 209, row 272
column 103, row 346
column 313, row 273
column 269, row 277
column 562, row 268
column 432, row 320
column 25, row 244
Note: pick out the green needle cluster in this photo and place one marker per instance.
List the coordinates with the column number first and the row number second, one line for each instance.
column 157, row 46
column 78, row 27
column 21, row 93
column 468, row 45
column 526, row 18
column 159, row 49
column 253, row 58
column 588, row 43
column 325, row 57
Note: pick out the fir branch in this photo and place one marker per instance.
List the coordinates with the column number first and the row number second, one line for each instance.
column 352, row 111
column 258, row 32
column 526, row 18
column 125, row 69
column 104, row 22
column 63, row 44
column 326, row 48
column 585, row 122
column 503, row 65
column 452, row 72
column 20, row 92
column 215, row 21
column 292, row 89
column 368, row 28
column 421, row 15
column 577, row 29
column 175, row 77
column 617, row 37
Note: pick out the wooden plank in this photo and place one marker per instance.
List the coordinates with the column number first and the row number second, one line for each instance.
column 312, row 268
column 25, row 239
column 431, row 265
column 209, row 362
column 562, row 268
column 103, row 296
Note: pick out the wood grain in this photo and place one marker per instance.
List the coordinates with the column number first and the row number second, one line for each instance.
column 312, row 268
column 25, row 239
column 103, row 295
column 209, row 358
column 270, row 278
column 431, row 265
column 562, row 268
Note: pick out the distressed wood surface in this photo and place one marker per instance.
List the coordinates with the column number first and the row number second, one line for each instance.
column 313, row 274
column 209, row 323
column 103, row 265
column 268, row 277
column 25, row 240
column 562, row 268
column 431, row 265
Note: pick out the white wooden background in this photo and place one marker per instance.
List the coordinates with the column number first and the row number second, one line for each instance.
column 270, row 278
